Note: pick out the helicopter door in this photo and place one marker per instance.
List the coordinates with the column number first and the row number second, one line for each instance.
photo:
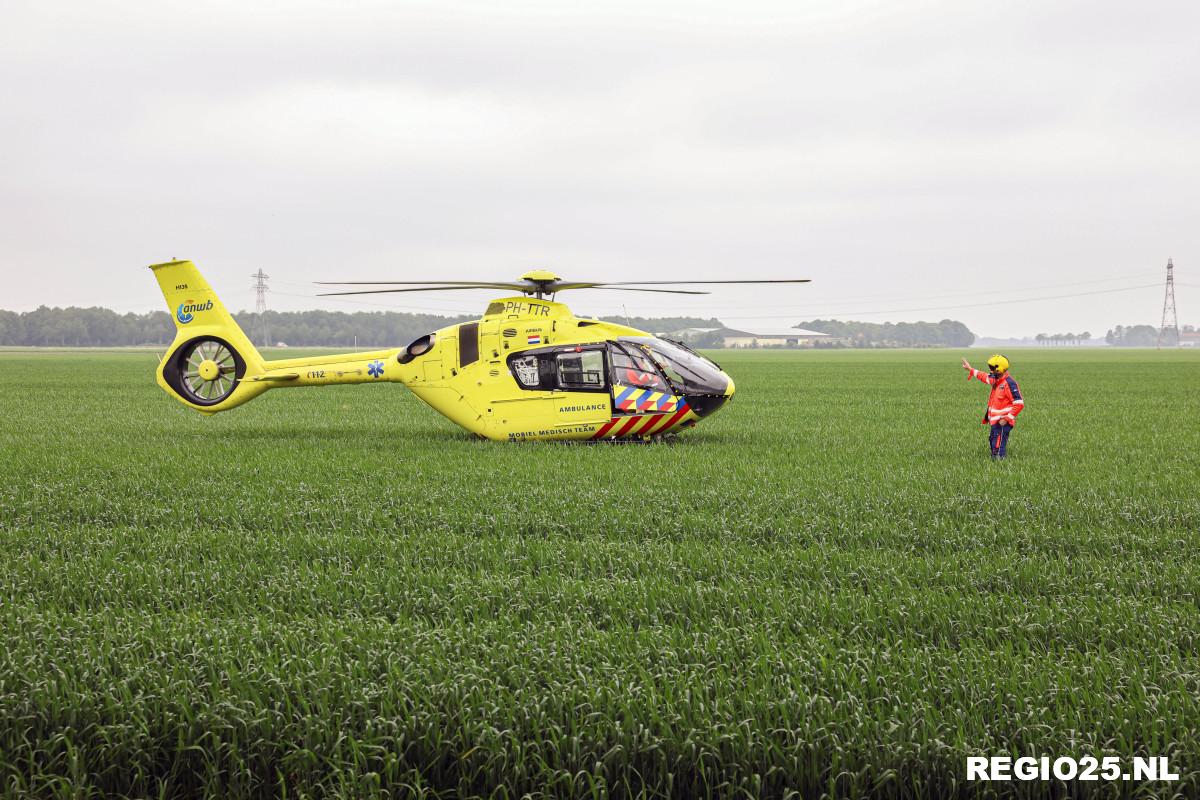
column 637, row 385
column 581, row 376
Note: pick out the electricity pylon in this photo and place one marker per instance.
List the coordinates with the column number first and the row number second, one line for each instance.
column 260, row 307
column 1170, row 322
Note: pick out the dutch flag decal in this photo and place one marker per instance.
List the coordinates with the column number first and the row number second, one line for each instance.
column 535, row 338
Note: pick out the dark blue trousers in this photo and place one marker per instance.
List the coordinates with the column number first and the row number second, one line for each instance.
column 998, row 440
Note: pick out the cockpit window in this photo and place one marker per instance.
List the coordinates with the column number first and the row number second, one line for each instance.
column 690, row 372
column 632, row 367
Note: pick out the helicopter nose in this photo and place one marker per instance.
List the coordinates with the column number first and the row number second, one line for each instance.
column 705, row 404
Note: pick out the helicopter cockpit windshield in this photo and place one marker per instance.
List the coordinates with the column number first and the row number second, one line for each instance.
column 689, row 372
column 631, row 366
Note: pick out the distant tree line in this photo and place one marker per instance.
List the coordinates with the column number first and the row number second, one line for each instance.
column 947, row 333
column 84, row 327
column 1055, row 339
column 1139, row 336
column 339, row 328
column 102, row 327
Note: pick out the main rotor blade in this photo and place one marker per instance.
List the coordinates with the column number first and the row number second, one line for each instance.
column 534, row 287
column 670, row 283
column 562, row 286
column 516, row 287
column 480, row 284
column 624, row 289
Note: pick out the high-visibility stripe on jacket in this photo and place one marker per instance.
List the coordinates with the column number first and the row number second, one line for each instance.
column 1004, row 401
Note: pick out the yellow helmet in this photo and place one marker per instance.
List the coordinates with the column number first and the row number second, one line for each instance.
column 998, row 364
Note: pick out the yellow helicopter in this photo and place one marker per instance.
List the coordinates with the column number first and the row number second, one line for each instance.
column 529, row 369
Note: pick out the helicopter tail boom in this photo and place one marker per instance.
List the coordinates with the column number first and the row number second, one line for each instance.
column 213, row 366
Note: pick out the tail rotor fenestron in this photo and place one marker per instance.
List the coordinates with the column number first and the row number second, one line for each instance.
column 207, row 370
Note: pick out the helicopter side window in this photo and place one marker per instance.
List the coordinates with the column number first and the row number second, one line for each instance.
column 581, row 370
column 526, row 371
column 634, row 369
column 533, row 371
column 574, row 370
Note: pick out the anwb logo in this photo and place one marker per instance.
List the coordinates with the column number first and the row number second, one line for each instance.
column 185, row 312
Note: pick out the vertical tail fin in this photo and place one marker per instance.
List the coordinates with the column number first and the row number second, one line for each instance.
column 211, row 355
column 195, row 306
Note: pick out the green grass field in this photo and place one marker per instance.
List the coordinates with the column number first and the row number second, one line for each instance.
column 827, row 587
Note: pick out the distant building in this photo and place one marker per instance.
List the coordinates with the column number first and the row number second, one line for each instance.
column 759, row 337
column 772, row 337
column 1189, row 339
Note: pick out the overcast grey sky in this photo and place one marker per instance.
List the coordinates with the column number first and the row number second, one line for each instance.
column 917, row 160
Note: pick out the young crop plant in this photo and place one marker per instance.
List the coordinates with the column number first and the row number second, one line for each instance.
column 829, row 589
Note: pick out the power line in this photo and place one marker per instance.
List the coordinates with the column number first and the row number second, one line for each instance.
column 971, row 293
column 809, row 309
column 806, row 310
column 434, row 304
column 419, row 309
column 802, row 312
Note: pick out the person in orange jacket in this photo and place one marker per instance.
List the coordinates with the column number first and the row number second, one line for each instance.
column 1004, row 402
